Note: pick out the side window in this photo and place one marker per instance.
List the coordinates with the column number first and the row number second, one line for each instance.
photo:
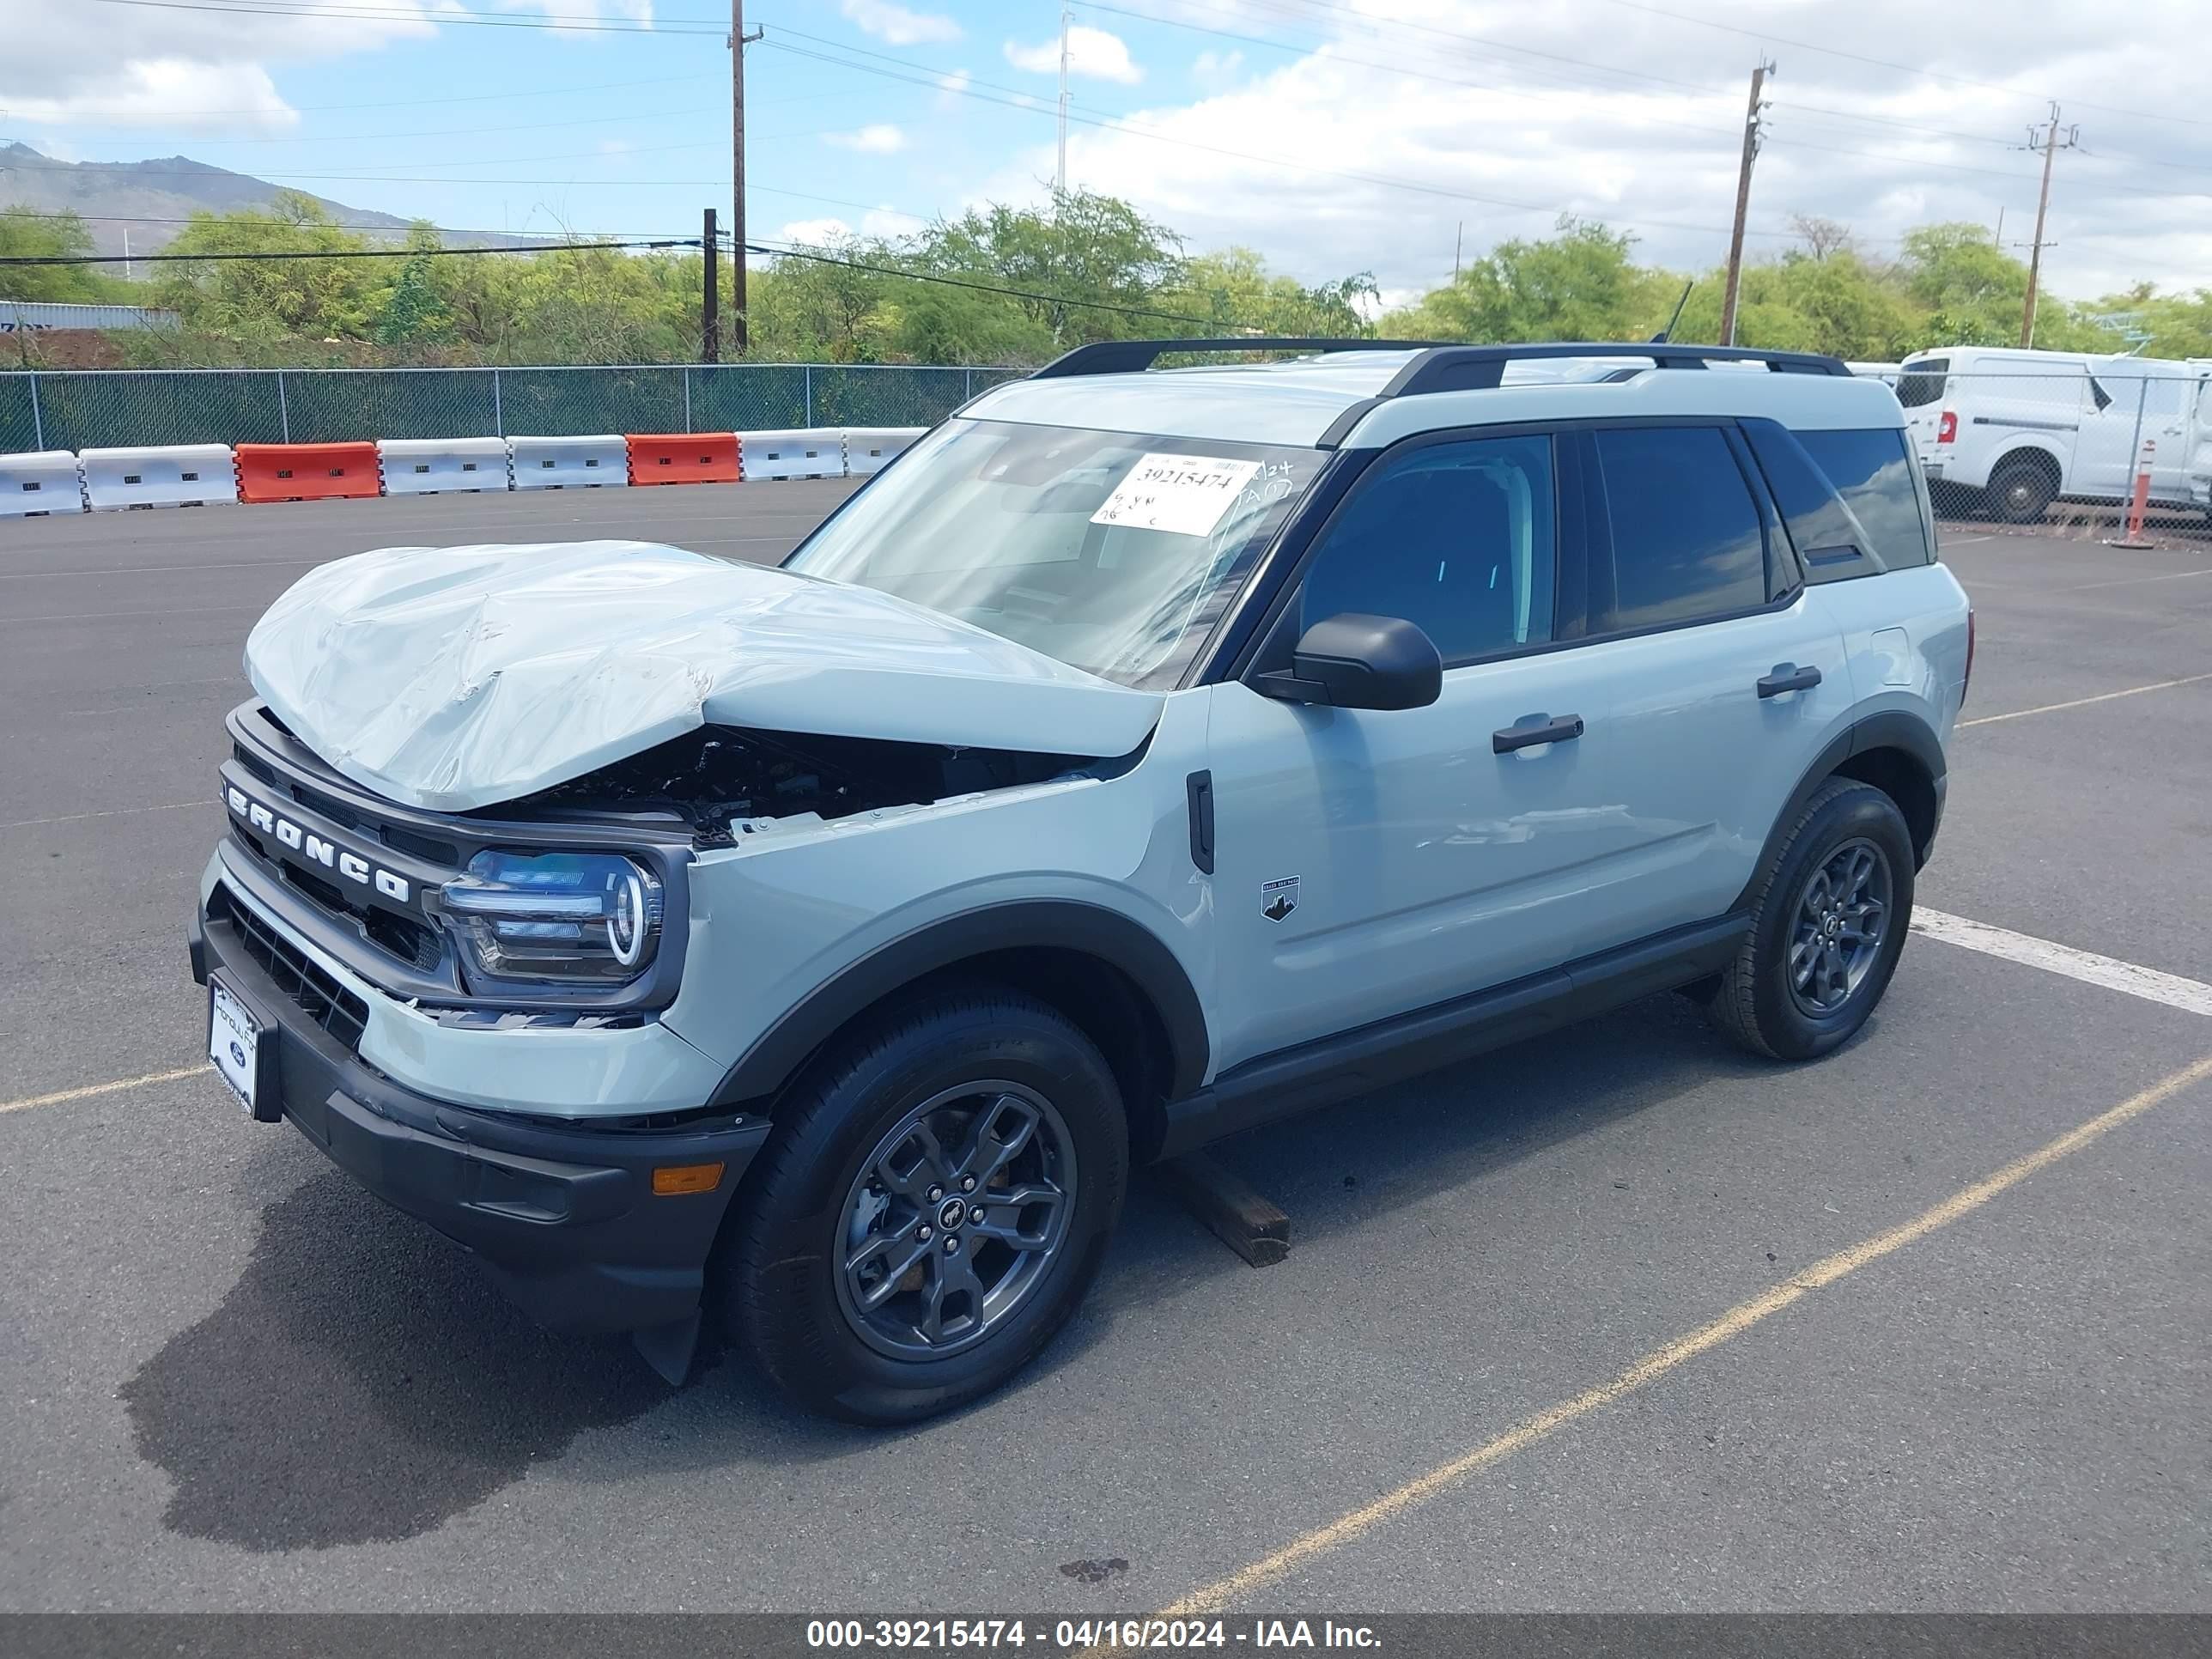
column 1458, row 538
column 1849, row 498
column 1872, row 471
column 1688, row 542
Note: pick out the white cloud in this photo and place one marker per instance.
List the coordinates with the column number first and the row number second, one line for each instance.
column 1092, row 55
column 814, row 233
column 162, row 92
column 949, row 87
column 898, row 26
column 1216, row 71
column 878, row 138
column 1343, row 164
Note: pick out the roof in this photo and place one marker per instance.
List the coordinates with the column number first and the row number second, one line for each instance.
column 1357, row 399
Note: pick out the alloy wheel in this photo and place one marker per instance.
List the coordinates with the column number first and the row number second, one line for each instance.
column 1842, row 914
column 954, row 1219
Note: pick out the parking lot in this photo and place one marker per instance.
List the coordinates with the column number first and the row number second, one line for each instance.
column 1618, row 1319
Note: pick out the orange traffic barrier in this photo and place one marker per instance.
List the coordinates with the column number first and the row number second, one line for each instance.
column 666, row 457
column 306, row 472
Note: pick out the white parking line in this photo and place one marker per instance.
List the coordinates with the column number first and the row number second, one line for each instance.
column 91, row 1089
column 2083, row 703
column 111, row 812
column 2086, row 966
column 2132, row 581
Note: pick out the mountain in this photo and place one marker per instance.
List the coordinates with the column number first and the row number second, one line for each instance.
column 152, row 199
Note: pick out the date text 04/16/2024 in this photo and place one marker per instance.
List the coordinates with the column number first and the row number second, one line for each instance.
column 1078, row 1635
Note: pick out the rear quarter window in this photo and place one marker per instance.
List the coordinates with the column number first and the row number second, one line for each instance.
column 1851, row 499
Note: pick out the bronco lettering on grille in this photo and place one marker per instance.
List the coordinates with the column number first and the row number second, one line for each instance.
column 309, row 845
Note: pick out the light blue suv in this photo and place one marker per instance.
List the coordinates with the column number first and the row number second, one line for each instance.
column 805, row 954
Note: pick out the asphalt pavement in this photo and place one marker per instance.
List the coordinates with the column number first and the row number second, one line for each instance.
column 234, row 1379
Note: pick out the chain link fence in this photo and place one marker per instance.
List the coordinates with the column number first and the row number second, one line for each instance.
column 104, row 408
column 2061, row 442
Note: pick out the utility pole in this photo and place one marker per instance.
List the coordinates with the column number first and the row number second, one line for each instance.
column 127, row 275
column 710, row 297
column 1458, row 237
column 1059, row 173
column 739, row 40
column 1751, row 124
column 2050, row 145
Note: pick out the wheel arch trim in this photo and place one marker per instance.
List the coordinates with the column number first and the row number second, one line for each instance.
column 1892, row 729
column 1064, row 925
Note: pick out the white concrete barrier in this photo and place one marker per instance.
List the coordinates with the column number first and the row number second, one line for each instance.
column 430, row 466
column 598, row 462
column 867, row 447
column 797, row 454
column 40, row 481
column 163, row 474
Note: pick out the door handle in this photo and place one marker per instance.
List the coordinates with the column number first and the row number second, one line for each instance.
column 1788, row 677
column 1535, row 729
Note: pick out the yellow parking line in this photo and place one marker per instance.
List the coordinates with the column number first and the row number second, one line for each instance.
column 61, row 1095
column 1219, row 1597
column 2083, row 703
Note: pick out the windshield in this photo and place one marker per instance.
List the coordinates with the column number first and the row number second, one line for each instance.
column 1114, row 551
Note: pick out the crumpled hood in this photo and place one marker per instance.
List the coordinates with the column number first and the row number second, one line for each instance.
column 455, row 677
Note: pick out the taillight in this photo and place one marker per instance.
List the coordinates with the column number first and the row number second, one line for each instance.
column 1946, row 428
column 1969, row 678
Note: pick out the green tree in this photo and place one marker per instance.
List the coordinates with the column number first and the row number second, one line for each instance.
column 1084, row 246
column 1234, row 291
column 327, row 297
column 1580, row 284
column 29, row 234
column 414, row 311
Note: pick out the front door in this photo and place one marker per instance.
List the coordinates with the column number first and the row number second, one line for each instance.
column 1369, row 862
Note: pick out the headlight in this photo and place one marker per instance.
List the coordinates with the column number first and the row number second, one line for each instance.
column 586, row 918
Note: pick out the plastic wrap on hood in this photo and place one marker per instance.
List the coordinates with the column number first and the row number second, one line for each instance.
column 451, row 678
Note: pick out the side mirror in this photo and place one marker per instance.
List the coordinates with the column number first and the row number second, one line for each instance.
column 1352, row 660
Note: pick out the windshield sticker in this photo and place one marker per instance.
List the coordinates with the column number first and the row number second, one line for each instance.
column 1181, row 494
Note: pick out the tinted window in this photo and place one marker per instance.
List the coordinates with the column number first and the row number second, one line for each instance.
column 1456, row 537
column 1872, row 471
column 1922, row 382
column 1687, row 540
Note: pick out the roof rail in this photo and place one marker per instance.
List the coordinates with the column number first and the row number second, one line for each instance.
column 1131, row 357
column 1481, row 367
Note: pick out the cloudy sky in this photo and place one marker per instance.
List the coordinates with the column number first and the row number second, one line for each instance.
column 1333, row 138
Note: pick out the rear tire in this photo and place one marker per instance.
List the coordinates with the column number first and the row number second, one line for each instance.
column 1826, row 929
column 2022, row 491
column 844, row 1267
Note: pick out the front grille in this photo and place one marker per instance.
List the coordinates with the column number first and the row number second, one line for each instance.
column 412, row 942
column 295, row 974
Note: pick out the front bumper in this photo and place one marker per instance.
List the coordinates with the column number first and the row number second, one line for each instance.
column 563, row 1215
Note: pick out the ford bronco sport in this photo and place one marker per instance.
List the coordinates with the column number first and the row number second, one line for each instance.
column 806, row 954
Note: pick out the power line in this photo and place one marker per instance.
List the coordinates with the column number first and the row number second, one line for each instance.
column 1388, row 67
column 795, row 252
column 336, row 253
column 418, row 103
column 925, row 76
column 595, row 25
column 1884, row 63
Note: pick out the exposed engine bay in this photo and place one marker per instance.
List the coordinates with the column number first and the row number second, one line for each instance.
column 727, row 782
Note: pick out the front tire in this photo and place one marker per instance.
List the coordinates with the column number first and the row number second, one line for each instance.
column 1827, row 930
column 844, row 1267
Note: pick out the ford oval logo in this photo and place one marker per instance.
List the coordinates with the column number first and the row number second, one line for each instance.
column 237, row 1053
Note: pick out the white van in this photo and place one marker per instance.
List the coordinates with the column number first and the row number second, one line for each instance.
column 2030, row 427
